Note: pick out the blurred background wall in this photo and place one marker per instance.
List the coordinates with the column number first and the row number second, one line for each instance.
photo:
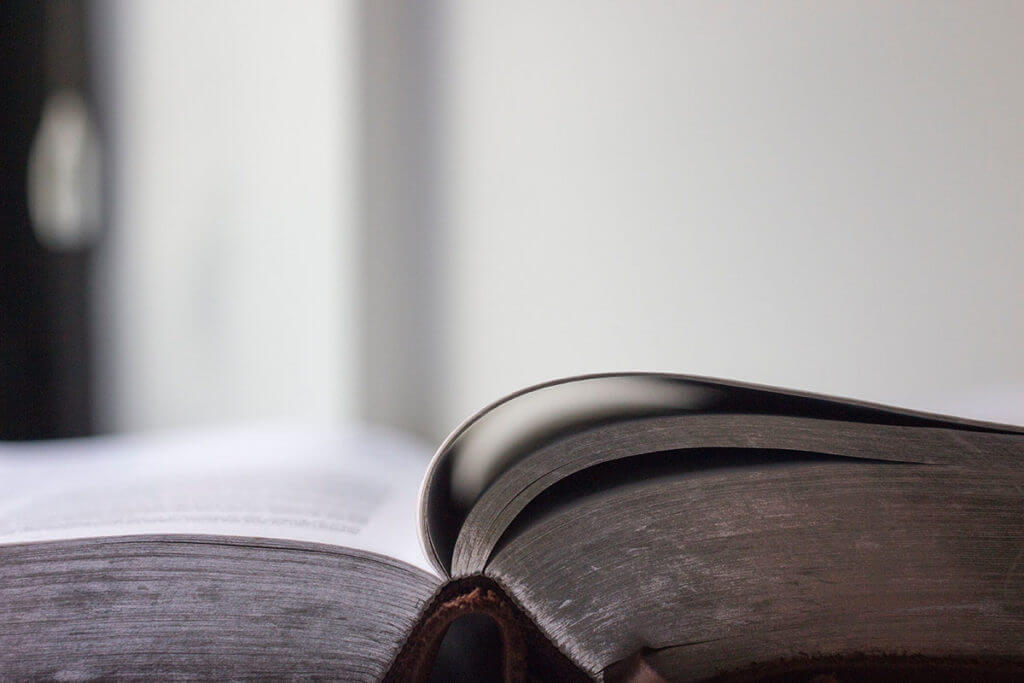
column 400, row 211
column 226, row 279
column 820, row 195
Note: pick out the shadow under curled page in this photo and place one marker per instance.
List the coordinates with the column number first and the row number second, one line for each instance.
column 710, row 528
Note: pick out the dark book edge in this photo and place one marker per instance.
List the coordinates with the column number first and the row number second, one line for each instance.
column 527, row 654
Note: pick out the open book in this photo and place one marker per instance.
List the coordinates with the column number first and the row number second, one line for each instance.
column 619, row 526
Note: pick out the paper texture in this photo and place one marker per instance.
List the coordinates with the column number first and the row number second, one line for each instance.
column 353, row 487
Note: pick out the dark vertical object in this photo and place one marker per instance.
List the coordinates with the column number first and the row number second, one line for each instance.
column 44, row 293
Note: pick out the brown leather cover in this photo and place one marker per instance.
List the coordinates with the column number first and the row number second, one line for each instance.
column 862, row 668
column 850, row 668
column 527, row 654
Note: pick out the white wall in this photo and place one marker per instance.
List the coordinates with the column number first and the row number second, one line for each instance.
column 402, row 210
column 820, row 195
column 230, row 283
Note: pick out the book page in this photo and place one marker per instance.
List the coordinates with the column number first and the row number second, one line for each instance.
column 354, row 487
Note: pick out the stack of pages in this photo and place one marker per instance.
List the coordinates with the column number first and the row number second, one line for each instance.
column 610, row 526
